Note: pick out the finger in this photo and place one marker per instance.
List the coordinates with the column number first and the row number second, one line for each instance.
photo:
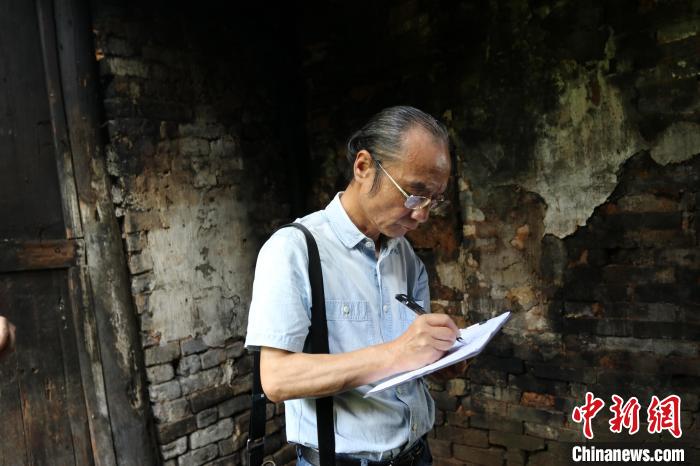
column 442, row 345
column 4, row 333
column 441, row 320
column 443, row 334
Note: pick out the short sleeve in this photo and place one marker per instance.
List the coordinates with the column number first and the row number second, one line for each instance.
column 279, row 314
column 421, row 288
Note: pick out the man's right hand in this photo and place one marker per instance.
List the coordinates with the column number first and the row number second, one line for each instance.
column 7, row 337
column 425, row 341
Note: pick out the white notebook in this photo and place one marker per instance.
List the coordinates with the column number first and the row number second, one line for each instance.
column 475, row 338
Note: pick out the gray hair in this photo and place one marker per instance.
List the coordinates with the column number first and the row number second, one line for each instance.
column 383, row 135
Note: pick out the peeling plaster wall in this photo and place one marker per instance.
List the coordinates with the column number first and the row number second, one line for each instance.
column 199, row 175
column 579, row 148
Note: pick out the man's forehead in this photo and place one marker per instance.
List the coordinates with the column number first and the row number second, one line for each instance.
column 423, row 148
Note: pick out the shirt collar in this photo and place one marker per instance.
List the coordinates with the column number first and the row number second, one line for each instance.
column 346, row 230
column 341, row 224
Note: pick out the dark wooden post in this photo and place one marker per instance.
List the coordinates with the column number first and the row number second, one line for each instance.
column 106, row 280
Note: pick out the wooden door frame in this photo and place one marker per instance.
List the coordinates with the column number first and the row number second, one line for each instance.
column 109, row 343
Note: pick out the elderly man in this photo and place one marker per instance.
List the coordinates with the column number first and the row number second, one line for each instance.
column 7, row 336
column 400, row 169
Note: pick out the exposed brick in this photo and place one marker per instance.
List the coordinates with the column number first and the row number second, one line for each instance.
column 170, row 411
column 173, row 449
column 235, row 350
column 161, row 373
column 484, row 405
column 200, row 380
column 193, row 345
column 485, row 376
column 165, row 391
column 226, row 447
column 207, row 417
column 198, row 457
column 535, row 415
column 210, row 397
column 537, row 400
column 530, row 383
column 440, row 447
column 243, row 384
column 482, row 456
column 211, row 434
column 213, row 357
column 140, row 263
column 142, row 284
column 509, row 365
column 170, row 432
column 542, row 431
column 230, row 460
column 274, row 425
column 515, row 457
column 189, row 365
column 162, row 354
column 135, row 241
column 496, row 423
column 458, row 418
column 234, row 405
column 463, row 436
column 523, row 442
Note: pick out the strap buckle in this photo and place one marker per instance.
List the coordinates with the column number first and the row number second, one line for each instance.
column 253, row 444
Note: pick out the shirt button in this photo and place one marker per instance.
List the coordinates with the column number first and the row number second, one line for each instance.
column 346, row 309
column 369, row 244
column 414, row 428
column 385, row 307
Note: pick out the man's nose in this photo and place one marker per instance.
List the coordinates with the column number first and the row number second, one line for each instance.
column 421, row 215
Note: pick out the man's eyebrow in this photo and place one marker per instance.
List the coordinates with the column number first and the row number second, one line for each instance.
column 418, row 186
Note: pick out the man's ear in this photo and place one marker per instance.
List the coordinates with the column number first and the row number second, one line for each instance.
column 362, row 168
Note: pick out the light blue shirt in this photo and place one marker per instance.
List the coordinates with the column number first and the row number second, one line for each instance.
column 361, row 311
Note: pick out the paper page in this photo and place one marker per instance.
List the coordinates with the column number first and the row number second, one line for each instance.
column 475, row 339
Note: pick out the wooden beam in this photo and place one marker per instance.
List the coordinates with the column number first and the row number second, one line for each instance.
column 78, row 299
column 17, row 256
column 106, row 282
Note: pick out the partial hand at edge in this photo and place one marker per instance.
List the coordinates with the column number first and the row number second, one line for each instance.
column 7, row 337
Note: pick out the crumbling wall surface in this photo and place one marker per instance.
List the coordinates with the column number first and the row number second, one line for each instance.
column 197, row 166
column 574, row 203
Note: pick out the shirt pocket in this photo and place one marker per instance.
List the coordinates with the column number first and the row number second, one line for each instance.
column 349, row 325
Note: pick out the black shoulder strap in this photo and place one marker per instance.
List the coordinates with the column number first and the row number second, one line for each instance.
column 318, row 344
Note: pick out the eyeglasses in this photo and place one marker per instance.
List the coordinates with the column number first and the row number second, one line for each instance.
column 412, row 202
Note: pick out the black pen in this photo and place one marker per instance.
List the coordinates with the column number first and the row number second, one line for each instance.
column 415, row 307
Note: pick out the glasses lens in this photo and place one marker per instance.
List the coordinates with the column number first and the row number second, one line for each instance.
column 416, row 202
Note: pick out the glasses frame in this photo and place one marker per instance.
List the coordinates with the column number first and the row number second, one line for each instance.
column 412, row 201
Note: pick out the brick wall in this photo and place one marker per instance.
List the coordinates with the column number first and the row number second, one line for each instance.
column 195, row 151
column 574, row 199
column 574, row 203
